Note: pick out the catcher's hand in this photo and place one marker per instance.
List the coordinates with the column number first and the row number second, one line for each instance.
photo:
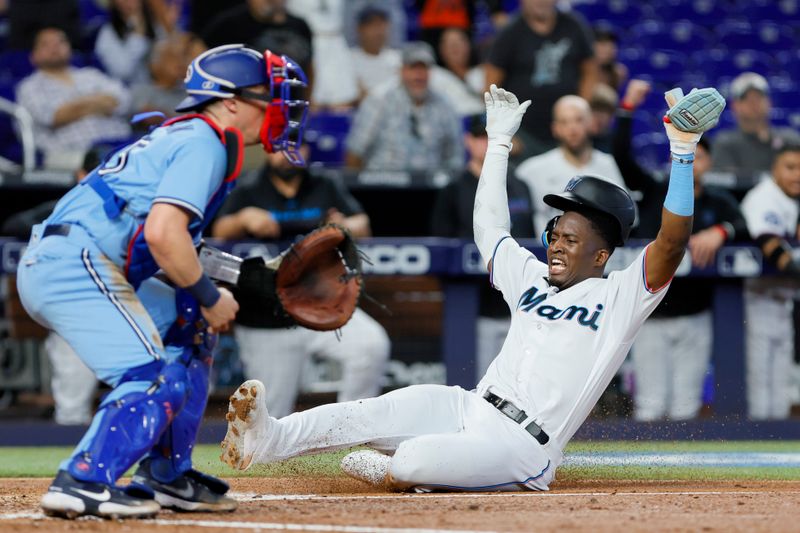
column 691, row 115
column 503, row 114
column 316, row 283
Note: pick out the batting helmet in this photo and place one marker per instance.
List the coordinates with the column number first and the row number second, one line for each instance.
column 593, row 193
column 227, row 71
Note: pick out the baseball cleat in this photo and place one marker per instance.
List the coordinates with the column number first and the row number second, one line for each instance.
column 367, row 465
column 247, row 419
column 70, row 498
column 191, row 491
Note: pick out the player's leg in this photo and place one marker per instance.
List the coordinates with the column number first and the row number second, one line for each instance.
column 363, row 350
column 491, row 452
column 167, row 469
column 781, row 354
column 759, row 311
column 691, row 354
column 73, row 383
column 86, row 300
column 255, row 437
column 275, row 357
column 651, row 364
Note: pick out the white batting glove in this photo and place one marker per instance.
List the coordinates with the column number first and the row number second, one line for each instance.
column 503, row 115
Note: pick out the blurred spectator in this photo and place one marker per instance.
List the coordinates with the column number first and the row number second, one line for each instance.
column 604, row 106
column 283, row 202
column 408, row 127
column 395, row 10
column 73, row 384
column 772, row 212
column 375, row 63
column 452, row 217
column 673, row 349
column 610, row 71
column 435, row 16
column 263, row 25
column 27, row 17
column 72, row 108
column 335, row 82
column 549, row 172
column 168, row 63
column 748, row 151
column 124, row 42
column 542, row 55
column 459, row 80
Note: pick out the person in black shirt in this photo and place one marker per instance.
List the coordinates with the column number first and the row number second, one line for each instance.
column 542, row 55
column 281, row 201
column 673, row 348
column 263, row 25
column 452, row 217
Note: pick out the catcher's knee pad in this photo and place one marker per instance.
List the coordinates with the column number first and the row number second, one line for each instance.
column 172, row 455
column 129, row 421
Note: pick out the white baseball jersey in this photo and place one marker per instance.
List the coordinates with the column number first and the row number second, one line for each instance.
column 550, row 172
column 770, row 211
column 563, row 347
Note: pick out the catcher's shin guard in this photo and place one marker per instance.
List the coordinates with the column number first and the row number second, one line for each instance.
column 172, row 455
column 129, row 421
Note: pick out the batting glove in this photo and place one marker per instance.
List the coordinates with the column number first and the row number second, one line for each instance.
column 503, row 115
column 689, row 116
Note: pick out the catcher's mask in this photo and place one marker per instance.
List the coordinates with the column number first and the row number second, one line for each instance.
column 227, row 71
column 592, row 194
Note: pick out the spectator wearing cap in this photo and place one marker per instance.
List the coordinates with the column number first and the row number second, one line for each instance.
column 452, row 217
column 409, row 126
column 748, row 150
column 72, row 108
column 394, row 9
column 376, row 64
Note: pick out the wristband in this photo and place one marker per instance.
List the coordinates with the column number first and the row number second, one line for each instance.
column 680, row 193
column 626, row 106
column 720, row 228
column 204, row 291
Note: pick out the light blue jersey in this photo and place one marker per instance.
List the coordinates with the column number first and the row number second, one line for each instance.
column 182, row 164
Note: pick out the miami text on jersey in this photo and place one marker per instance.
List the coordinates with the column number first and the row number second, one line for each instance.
column 529, row 301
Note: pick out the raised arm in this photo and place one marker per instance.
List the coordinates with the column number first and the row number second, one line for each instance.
column 491, row 221
column 699, row 111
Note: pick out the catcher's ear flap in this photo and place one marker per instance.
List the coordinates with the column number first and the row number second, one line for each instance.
column 548, row 231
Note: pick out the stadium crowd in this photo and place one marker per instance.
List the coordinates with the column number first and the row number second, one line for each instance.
column 398, row 86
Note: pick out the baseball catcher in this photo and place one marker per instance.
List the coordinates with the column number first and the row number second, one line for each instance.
column 315, row 283
column 570, row 330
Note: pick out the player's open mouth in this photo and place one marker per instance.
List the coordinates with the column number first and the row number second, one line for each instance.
column 557, row 266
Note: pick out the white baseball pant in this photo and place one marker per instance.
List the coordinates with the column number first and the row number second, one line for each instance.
column 439, row 437
column 73, row 383
column 276, row 357
column 670, row 361
column 770, row 355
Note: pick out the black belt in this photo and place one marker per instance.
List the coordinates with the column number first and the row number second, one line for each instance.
column 56, row 229
column 517, row 415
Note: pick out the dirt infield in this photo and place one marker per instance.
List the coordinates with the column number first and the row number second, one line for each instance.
column 339, row 504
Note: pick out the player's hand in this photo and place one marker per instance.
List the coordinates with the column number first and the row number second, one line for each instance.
column 635, row 94
column 221, row 314
column 259, row 223
column 503, row 114
column 704, row 245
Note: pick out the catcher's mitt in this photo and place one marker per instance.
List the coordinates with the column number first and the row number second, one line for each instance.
column 315, row 284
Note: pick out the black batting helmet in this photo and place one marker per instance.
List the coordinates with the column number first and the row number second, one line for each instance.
column 592, row 193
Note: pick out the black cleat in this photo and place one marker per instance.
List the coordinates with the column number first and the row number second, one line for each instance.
column 192, row 491
column 70, row 498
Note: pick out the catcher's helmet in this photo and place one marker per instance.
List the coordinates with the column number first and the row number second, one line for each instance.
column 592, row 193
column 227, row 71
